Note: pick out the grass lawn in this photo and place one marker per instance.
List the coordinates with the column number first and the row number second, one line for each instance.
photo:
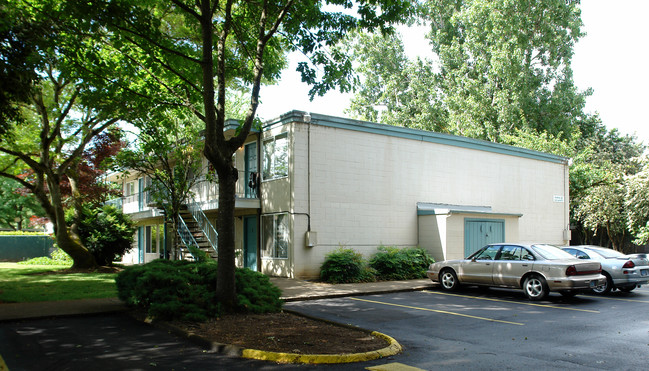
column 26, row 283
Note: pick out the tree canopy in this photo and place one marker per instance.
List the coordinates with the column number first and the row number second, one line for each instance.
column 186, row 54
column 503, row 73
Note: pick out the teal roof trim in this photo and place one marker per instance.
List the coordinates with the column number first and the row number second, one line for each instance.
column 426, row 208
column 232, row 124
column 413, row 134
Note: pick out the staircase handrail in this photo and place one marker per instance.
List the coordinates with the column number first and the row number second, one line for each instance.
column 204, row 224
column 186, row 236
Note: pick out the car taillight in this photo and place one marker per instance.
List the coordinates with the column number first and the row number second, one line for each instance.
column 628, row 264
column 571, row 271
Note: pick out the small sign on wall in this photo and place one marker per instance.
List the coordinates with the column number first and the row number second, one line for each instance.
column 557, row 198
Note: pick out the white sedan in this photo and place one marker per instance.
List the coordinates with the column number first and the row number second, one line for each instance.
column 537, row 269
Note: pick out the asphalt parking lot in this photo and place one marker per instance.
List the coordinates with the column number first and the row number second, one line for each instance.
column 501, row 329
column 474, row 329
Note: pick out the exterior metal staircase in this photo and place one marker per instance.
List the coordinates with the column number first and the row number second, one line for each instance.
column 196, row 232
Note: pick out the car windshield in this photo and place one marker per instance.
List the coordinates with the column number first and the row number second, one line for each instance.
column 607, row 253
column 550, row 252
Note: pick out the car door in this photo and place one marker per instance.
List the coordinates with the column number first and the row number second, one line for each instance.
column 479, row 269
column 511, row 264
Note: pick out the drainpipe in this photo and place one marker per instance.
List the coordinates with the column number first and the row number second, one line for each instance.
column 307, row 119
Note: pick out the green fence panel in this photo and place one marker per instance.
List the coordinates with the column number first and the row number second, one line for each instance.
column 18, row 248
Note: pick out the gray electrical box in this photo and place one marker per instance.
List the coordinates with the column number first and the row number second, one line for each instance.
column 311, row 238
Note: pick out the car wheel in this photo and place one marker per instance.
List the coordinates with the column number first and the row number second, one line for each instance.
column 535, row 287
column 568, row 293
column 448, row 279
column 604, row 288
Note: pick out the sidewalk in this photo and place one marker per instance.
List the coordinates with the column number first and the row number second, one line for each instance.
column 292, row 290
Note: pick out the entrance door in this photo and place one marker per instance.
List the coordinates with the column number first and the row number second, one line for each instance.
column 250, row 242
column 478, row 233
column 252, row 176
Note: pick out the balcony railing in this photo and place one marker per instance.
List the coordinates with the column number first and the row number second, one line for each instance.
column 206, row 193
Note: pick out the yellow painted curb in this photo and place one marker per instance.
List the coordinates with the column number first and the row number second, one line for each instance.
column 393, row 348
column 3, row 365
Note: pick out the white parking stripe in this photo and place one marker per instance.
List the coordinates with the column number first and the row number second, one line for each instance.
column 439, row 311
column 620, row 299
column 511, row 301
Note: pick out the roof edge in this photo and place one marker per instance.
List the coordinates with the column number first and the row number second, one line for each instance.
column 413, row 134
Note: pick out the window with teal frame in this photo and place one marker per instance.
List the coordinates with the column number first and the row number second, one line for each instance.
column 275, row 232
column 276, row 157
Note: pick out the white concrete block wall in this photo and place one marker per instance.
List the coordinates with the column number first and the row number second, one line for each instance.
column 365, row 188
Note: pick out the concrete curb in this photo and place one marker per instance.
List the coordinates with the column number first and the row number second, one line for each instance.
column 347, row 294
column 393, row 347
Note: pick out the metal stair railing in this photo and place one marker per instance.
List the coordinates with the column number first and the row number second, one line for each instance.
column 204, row 224
column 186, row 236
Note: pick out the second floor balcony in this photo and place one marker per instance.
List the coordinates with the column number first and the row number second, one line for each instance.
column 204, row 192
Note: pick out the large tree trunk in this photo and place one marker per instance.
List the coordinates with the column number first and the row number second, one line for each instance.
column 81, row 257
column 225, row 280
column 76, row 203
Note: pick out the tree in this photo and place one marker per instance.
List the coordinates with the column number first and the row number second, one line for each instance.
column 20, row 40
column 506, row 64
column 603, row 210
column 169, row 153
column 17, row 205
column 601, row 182
column 186, row 53
column 394, row 90
column 105, row 231
column 637, row 205
column 503, row 65
column 56, row 130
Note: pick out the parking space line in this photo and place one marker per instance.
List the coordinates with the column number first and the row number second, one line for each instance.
column 620, row 299
column 511, row 301
column 439, row 311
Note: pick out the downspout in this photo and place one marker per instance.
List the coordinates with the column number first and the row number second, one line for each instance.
column 307, row 119
column 259, row 193
column 566, row 191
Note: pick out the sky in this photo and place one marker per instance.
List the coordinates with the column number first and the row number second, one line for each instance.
column 611, row 59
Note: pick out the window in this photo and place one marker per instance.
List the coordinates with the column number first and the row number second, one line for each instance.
column 275, row 229
column 153, row 238
column 129, row 189
column 276, row 157
column 488, row 253
column 577, row 253
column 510, row 253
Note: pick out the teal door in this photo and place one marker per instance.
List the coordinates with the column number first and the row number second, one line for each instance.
column 478, row 233
column 250, row 242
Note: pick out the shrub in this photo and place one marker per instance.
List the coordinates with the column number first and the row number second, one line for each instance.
column 105, row 231
column 21, row 233
column 392, row 263
column 198, row 254
column 345, row 266
column 255, row 293
column 59, row 257
column 186, row 290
